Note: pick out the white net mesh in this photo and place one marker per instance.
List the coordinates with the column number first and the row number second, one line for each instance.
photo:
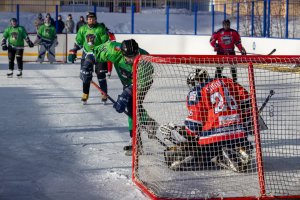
column 199, row 142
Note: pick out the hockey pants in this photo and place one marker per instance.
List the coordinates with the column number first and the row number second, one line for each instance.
column 86, row 72
column 15, row 53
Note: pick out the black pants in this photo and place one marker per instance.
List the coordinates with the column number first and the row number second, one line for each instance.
column 218, row 73
column 86, row 73
column 15, row 53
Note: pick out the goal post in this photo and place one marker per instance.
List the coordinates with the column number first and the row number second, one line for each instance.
column 263, row 156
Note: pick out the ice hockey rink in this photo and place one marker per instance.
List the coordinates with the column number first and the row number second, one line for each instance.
column 53, row 147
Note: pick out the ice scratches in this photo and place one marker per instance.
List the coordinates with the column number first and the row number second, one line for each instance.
column 119, row 174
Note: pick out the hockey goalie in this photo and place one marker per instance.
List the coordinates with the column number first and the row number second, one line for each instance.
column 215, row 132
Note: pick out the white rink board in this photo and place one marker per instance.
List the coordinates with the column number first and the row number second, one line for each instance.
column 184, row 44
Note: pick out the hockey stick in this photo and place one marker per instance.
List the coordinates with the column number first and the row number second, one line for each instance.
column 266, row 101
column 103, row 93
column 126, row 112
column 273, row 51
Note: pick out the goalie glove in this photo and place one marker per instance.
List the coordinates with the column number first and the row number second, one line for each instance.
column 171, row 132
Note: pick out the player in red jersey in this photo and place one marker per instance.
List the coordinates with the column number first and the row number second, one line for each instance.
column 216, row 127
column 223, row 41
column 112, row 37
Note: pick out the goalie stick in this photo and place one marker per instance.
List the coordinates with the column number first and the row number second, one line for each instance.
column 272, row 92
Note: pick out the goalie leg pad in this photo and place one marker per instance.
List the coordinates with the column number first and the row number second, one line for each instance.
column 237, row 160
column 180, row 156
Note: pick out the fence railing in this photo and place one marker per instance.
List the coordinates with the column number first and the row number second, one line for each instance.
column 261, row 18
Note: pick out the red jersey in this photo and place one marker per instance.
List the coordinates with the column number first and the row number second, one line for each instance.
column 214, row 111
column 225, row 41
column 112, row 37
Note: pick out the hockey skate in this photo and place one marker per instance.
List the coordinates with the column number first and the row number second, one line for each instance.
column 235, row 160
column 84, row 98
column 128, row 148
column 19, row 74
column 10, row 73
column 104, row 99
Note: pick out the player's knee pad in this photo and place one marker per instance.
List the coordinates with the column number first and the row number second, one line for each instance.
column 101, row 68
column 86, row 72
column 85, row 76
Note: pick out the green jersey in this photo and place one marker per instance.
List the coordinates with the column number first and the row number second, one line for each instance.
column 111, row 51
column 15, row 36
column 90, row 37
column 47, row 32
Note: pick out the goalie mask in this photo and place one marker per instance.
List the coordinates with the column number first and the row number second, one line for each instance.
column 197, row 77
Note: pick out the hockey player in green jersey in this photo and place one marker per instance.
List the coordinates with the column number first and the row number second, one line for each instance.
column 122, row 56
column 15, row 35
column 47, row 39
column 89, row 36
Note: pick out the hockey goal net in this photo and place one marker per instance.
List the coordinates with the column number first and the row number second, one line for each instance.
column 164, row 168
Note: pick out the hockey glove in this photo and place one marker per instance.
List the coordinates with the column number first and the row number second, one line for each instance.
column 216, row 48
column 72, row 55
column 123, row 99
column 4, row 47
column 243, row 51
column 30, row 44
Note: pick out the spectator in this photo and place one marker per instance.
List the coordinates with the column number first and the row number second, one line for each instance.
column 80, row 23
column 38, row 21
column 61, row 25
column 70, row 24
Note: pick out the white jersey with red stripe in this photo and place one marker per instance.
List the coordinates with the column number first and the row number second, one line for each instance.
column 214, row 111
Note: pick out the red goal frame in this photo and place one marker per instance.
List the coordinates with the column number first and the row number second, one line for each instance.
column 205, row 59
